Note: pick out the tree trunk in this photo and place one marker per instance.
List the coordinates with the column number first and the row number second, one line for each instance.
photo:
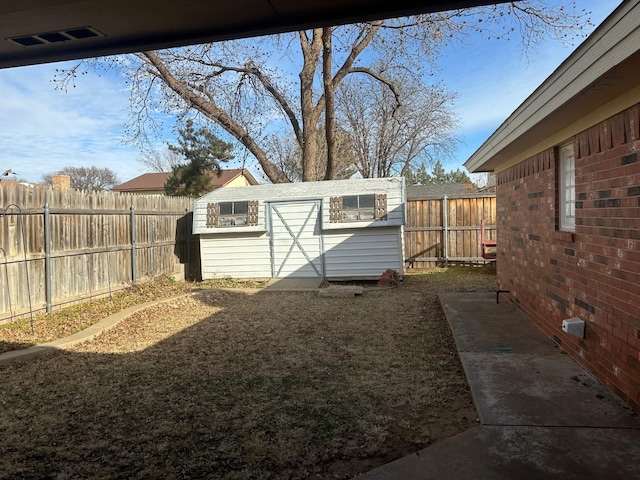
column 311, row 54
column 330, row 109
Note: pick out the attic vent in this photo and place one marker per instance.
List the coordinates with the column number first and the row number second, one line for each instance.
column 80, row 33
column 27, row 41
column 54, row 37
column 71, row 34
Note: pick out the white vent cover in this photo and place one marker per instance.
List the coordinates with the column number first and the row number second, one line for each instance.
column 574, row 326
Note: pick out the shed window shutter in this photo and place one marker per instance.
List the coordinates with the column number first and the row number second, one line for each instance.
column 252, row 213
column 381, row 206
column 335, row 209
column 212, row 215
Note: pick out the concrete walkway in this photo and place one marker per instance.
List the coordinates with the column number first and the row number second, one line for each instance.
column 542, row 416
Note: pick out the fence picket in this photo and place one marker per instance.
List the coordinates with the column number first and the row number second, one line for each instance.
column 90, row 251
column 424, row 230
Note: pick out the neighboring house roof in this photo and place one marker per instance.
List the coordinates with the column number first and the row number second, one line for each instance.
column 599, row 77
column 150, row 182
column 439, row 190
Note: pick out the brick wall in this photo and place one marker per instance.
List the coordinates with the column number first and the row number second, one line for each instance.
column 593, row 273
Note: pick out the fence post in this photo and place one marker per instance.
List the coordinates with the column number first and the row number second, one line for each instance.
column 133, row 244
column 47, row 257
column 445, row 230
column 187, row 244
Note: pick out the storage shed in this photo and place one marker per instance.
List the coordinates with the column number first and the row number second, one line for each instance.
column 334, row 229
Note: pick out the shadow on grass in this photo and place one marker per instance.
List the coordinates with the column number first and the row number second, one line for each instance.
column 237, row 385
column 9, row 346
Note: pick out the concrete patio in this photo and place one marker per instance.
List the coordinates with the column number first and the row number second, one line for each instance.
column 542, row 416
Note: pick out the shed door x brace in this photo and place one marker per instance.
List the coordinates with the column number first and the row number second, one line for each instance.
column 296, row 242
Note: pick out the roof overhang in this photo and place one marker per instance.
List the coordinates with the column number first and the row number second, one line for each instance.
column 600, row 76
column 41, row 31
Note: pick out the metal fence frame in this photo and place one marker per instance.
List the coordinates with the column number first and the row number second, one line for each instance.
column 55, row 255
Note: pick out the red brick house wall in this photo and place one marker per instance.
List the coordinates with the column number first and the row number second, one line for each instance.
column 593, row 273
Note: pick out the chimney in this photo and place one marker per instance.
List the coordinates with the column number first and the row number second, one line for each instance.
column 63, row 182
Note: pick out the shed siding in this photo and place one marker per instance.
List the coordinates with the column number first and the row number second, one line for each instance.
column 235, row 255
column 362, row 252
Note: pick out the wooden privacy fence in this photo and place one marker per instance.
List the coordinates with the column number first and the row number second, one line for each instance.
column 59, row 246
column 447, row 229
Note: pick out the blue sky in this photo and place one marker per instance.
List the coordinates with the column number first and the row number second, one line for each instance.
column 44, row 129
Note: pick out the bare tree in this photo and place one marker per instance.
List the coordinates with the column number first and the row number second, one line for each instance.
column 161, row 161
column 86, row 178
column 285, row 153
column 244, row 88
column 392, row 137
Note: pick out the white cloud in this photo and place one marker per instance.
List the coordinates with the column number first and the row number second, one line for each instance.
column 46, row 129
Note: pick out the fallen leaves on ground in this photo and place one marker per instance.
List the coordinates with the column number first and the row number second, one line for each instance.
column 237, row 384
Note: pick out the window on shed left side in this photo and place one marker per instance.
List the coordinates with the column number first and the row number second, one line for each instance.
column 233, row 214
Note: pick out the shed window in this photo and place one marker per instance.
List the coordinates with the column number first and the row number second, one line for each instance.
column 232, row 214
column 358, row 208
column 567, row 189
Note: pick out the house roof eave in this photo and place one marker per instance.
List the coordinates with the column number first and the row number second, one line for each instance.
column 602, row 68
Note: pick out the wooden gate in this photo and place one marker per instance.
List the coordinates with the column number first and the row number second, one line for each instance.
column 440, row 231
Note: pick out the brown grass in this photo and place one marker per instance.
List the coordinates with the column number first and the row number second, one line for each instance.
column 238, row 385
column 66, row 321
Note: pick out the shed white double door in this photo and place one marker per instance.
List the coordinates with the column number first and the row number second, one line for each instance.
column 296, row 239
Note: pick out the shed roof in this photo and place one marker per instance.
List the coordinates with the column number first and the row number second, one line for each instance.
column 155, row 181
column 599, row 77
column 324, row 191
column 305, row 190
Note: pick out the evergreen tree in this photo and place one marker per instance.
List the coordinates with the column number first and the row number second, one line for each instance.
column 203, row 152
column 459, row 176
column 438, row 175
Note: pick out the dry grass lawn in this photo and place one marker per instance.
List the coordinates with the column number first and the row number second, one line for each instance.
column 245, row 385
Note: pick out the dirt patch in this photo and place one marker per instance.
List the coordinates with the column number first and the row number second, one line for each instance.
column 235, row 385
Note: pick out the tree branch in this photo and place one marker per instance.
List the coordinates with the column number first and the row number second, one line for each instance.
column 330, row 110
column 213, row 111
column 382, row 80
column 356, row 50
column 362, row 41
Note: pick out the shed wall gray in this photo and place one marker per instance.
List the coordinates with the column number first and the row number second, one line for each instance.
column 362, row 253
column 236, row 256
